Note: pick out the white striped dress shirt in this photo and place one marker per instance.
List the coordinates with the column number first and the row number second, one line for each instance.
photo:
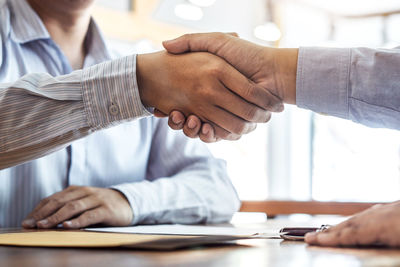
column 60, row 127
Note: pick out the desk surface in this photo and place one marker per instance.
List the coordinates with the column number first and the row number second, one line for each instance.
column 272, row 252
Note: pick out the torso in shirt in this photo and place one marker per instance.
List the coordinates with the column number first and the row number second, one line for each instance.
column 108, row 157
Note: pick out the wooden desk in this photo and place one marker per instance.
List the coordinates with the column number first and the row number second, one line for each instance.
column 271, row 252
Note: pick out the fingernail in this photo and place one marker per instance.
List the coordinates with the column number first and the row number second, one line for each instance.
column 43, row 222
column 176, row 120
column 29, row 223
column 205, row 130
column 168, row 41
column 192, row 124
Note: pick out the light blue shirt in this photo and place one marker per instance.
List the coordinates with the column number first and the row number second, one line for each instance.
column 89, row 127
column 358, row 84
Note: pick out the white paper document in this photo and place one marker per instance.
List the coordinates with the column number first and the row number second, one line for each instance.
column 198, row 230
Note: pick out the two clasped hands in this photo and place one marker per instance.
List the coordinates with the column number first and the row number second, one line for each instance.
column 222, row 93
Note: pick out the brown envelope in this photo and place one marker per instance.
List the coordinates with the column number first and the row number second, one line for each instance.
column 63, row 238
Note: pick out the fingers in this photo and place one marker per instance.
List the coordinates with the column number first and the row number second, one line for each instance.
column 90, row 217
column 230, row 122
column 208, row 133
column 246, row 89
column 192, row 126
column 176, row 120
column 205, row 42
column 51, row 204
column 352, row 232
column 213, row 133
column 69, row 210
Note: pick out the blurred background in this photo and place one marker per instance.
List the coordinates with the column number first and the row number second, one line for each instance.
column 298, row 155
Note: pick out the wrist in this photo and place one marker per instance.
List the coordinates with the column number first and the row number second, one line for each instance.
column 143, row 69
column 285, row 71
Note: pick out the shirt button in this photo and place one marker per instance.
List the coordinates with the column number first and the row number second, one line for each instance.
column 113, row 109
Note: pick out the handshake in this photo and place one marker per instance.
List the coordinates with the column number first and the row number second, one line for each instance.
column 217, row 86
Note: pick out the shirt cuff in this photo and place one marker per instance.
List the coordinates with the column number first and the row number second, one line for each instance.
column 110, row 93
column 133, row 193
column 322, row 81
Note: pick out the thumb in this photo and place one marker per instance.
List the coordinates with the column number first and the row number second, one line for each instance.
column 197, row 42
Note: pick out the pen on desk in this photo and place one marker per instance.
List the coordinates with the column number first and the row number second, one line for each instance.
column 298, row 233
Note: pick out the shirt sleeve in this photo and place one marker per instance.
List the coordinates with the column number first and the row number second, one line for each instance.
column 359, row 84
column 40, row 114
column 185, row 183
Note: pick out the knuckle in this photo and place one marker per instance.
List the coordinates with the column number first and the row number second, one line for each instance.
column 74, row 206
column 88, row 190
column 92, row 216
column 250, row 91
column 220, row 36
column 207, row 93
column 216, row 68
column 55, row 202
column 37, row 216
column 55, row 218
column 44, row 201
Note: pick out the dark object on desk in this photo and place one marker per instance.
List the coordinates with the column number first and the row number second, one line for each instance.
column 298, row 233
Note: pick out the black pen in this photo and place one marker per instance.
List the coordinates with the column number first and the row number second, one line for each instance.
column 298, row 233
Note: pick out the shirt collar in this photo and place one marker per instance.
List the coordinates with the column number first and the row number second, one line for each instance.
column 97, row 48
column 26, row 26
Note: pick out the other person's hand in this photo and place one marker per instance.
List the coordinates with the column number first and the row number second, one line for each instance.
column 207, row 86
column 378, row 225
column 270, row 68
column 81, row 206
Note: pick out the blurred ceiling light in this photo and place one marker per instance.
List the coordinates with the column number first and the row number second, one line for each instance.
column 268, row 32
column 188, row 12
column 202, row 3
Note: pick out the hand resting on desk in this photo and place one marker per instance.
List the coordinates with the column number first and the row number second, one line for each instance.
column 81, row 206
column 378, row 225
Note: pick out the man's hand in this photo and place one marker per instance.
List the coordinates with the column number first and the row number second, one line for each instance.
column 272, row 69
column 378, row 225
column 81, row 206
column 207, row 86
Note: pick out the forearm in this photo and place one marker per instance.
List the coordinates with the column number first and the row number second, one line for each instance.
column 197, row 194
column 41, row 114
column 359, row 84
